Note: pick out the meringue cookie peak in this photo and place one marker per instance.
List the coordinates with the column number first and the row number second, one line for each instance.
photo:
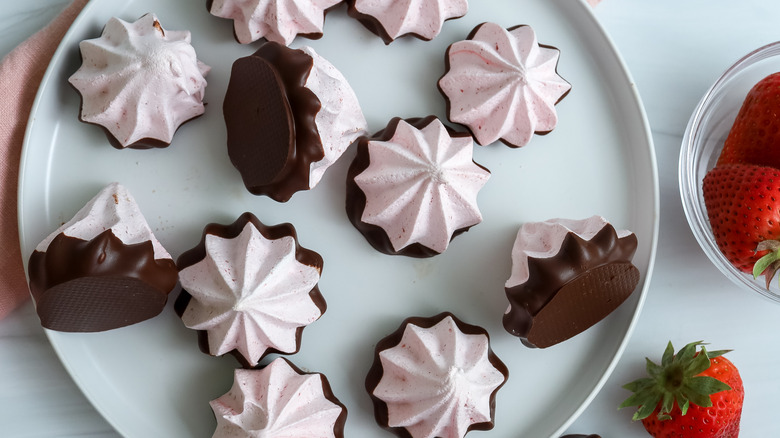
column 115, row 209
column 437, row 378
column 276, row 20
column 279, row 401
column 421, row 184
column 140, row 82
column 542, row 240
column 503, row 85
column 252, row 289
column 391, row 19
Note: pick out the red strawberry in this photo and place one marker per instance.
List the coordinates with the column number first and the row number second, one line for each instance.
column 755, row 136
column 690, row 395
column 743, row 205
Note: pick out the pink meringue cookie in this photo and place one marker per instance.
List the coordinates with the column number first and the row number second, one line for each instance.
column 567, row 275
column 103, row 269
column 115, row 209
column 392, row 19
column 279, row 401
column 140, row 82
column 275, row 20
column 418, row 183
column 284, row 132
column 250, row 289
column 503, row 85
column 435, row 377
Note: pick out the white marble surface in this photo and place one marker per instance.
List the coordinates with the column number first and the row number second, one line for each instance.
column 674, row 50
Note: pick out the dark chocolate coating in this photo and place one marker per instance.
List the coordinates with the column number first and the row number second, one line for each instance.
column 356, row 199
column 97, row 285
column 577, row 435
column 198, row 253
column 573, row 290
column 447, row 69
column 272, row 138
column 376, row 371
column 375, row 26
column 144, row 143
column 264, row 114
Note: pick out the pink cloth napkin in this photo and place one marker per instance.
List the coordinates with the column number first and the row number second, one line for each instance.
column 21, row 72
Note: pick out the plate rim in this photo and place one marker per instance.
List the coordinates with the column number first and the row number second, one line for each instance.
column 585, row 11
column 637, row 99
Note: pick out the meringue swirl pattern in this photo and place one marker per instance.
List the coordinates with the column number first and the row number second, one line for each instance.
column 438, row 378
column 140, row 82
column 503, row 85
column 279, row 401
column 275, row 20
column 421, row 184
column 250, row 293
column 392, row 19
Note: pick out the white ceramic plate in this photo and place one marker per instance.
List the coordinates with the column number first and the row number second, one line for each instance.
column 151, row 380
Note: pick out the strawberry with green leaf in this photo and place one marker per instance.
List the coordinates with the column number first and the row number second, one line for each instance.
column 743, row 206
column 691, row 394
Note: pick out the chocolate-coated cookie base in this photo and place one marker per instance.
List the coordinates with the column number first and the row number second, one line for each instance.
column 100, row 284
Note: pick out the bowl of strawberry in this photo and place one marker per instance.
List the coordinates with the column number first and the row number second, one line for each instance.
column 730, row 172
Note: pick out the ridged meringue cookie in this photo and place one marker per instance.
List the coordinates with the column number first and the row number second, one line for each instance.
column 103, row 269
column 279, row 401
column 275, row 20
column 418, row 183
column 140, row 82
column 392, row 19
column 285, row 129
column 503, row 85
column 435, row 377
column 250, row 289
column 567, row 275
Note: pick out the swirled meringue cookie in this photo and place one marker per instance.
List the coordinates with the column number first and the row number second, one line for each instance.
column 435, row 377
column 279, row 400
column 290, row 114
column 103, row 269
column 140, row 82
column 392, row 19
column 413, row 186
column 275, row 20
column 249, row 289
column 503, row 85
column 567, row 275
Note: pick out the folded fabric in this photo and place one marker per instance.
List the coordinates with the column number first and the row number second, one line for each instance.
column 21, row 72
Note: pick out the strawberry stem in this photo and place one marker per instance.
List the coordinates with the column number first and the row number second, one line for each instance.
column 675, row 381
column 768, row 264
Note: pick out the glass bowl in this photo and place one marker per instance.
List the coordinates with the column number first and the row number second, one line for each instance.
column 701, row 146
